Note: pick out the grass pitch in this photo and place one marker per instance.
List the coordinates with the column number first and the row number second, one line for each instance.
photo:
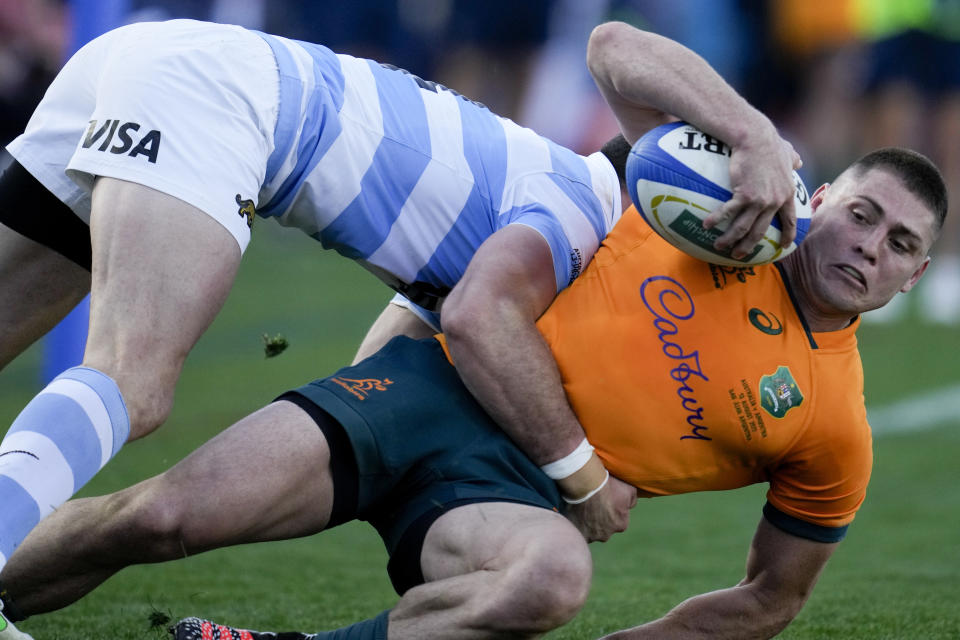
column 897, row 575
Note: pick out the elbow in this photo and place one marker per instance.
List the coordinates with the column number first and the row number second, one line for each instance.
column 776, row 611
column 463, row 320
column 469, row 321
column 607, row 39
column 626, row 62
column 602, row 38
column 779, row 619
column 607, row 34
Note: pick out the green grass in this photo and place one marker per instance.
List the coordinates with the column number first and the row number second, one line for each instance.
column 896, row 577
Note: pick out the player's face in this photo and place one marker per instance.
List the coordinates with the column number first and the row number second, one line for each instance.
column 869, row 238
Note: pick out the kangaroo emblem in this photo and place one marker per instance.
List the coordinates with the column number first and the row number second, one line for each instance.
column 362, row 388
column 247, row 210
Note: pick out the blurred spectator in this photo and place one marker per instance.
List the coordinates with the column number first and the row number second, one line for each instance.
column 561, row 101
column 817, row 46
column 365, row 28
column 876, row 73
column 246, row 13
column 33, row 42
column 480, row 49
column 912, row 98
column 489, row 48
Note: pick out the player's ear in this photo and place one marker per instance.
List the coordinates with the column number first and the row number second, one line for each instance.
column 916, row 276
column 817, row 198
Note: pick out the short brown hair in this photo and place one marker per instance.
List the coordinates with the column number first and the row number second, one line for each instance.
column 917, row 172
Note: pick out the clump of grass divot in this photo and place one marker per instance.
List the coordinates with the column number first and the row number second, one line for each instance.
column 274, row 346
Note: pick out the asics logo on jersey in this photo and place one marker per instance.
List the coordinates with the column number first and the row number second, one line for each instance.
column 123, row 138
column 247, row 210
column 767, row 323
column 362, row 388
column 670, row 303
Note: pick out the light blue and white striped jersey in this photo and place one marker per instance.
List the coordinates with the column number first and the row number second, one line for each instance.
column 409, row 178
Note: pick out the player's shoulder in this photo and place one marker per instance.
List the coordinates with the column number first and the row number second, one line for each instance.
column 839, row 414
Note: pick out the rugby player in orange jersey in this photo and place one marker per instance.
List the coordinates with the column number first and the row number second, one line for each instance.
column 684, row 376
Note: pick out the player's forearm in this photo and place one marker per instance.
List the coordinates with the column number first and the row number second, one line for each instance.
column 640, row 73
column 508, row 367
column 737, row 613
column 490, row 323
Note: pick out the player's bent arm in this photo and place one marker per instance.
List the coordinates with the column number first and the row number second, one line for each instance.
column 489, row 323
column 647, row 78
column 393, row 321
column 644, row 77
column 782, row 570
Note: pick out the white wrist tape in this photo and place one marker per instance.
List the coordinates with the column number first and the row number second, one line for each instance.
column 589, row 495
column 570, row 464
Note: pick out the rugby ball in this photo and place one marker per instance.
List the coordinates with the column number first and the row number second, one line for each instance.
column 677, row 175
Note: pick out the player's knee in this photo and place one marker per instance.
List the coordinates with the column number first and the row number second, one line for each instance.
column 148, row 411
column 146, row 525
column 550, row 585
column 560, row 586
column 146, row 389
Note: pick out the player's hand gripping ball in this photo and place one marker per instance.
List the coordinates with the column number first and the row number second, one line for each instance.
column 677, row 175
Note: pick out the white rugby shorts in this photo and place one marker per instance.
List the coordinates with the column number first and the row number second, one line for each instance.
column 184, row 107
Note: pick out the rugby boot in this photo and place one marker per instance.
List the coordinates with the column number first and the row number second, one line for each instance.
column 197, row 629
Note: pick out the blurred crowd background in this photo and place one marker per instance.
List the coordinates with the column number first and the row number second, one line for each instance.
column 839, row 77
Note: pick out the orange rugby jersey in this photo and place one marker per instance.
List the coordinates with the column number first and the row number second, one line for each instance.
column 687, row 377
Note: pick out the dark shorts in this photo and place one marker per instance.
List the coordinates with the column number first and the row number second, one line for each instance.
column 422, row 446
column 27, row 207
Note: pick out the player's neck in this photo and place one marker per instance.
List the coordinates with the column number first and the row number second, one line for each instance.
column 819, row 316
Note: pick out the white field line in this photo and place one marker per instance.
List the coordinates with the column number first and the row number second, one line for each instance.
column 917, row 412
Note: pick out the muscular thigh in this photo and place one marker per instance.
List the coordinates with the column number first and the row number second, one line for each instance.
column 265, row 478
column 491, row 536
column 38, row 288
column 161, row 271
column 44, row 260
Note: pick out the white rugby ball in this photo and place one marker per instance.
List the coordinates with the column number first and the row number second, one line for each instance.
column 677, row 175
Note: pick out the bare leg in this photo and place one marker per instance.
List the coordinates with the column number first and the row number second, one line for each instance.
column 162, row 270
column 496, row 570
column 210, row 499
column 38, row 287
